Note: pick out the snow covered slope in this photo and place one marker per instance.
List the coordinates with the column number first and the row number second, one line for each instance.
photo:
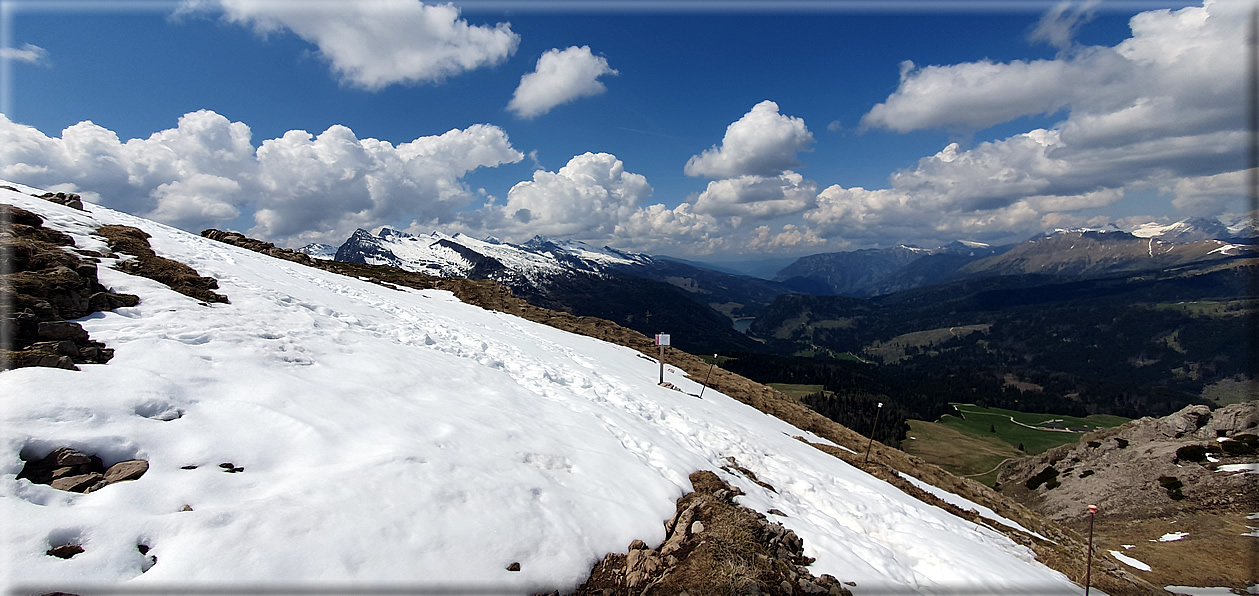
column 1184, row 231
column 530, row 264
column 319, row 250
column 399, row 437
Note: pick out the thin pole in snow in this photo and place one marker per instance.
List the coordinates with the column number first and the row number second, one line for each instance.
column 661, row 365
column 876, row 427
column 1088, row 568
column 710, row 374
column 661, row 341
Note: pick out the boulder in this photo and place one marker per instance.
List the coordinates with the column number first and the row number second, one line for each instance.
column 69, row 199
column 58, row 330
column 126, row 470
column 78, row 483
column 64, row 551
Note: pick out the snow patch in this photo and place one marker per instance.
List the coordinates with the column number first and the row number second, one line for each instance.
column 1129, row 561
column 1251, row 468
column 1192, row 591
column 1154, row 230
column 1171, row 537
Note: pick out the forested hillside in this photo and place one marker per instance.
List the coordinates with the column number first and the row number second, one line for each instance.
column 1129, row 345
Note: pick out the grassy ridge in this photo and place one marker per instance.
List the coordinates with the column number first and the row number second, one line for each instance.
column 1013, row 427
column 968, row 445
column 795, row 390
column 958, row 452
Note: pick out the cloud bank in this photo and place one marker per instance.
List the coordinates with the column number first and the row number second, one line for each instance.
column 1160, row 112
column 300, row 187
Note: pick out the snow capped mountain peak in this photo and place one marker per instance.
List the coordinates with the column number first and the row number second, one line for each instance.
column 530, row 264
column 319, row 250
column 1184, row 231
column 387, row 232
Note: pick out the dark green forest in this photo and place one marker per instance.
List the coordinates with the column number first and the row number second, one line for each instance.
column 1128, row 345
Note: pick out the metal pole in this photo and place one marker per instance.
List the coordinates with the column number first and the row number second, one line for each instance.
column 876, row 427
column 710, row 374
column 1088, row 569
column 661, row 359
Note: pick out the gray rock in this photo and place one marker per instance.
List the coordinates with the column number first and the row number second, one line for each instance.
column 64, row 551
column 65, row 456
column 79, row 483
column 697, row 527
column 635, row 579
column 808, row 587
column 126, row 470
column 59, row 330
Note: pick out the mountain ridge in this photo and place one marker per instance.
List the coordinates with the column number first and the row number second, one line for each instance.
column 1069, row 252
column 699, row 306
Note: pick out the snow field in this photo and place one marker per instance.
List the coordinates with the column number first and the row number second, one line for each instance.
column 403, row 436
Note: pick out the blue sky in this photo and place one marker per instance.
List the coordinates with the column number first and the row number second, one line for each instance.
column 1062, row 114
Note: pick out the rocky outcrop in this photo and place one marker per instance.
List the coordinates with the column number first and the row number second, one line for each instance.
column 712, row 546
column 177, row 276
column 42, row 284
column 69, row 199
column 1134, row 470
column 74, row 471
column 266, row 248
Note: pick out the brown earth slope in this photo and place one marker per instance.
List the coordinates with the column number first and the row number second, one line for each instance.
column 1153, row 479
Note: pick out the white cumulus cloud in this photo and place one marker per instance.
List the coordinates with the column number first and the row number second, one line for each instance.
column 585, row 199
column 1160, row 112
column 300, row 187
column 375, row 43
column 561, row 76
column 757, row 197
column 761, row 143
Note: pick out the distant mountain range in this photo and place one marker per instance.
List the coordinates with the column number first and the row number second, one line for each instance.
column 699, row 303
column 649, row 294
column 1078, row 252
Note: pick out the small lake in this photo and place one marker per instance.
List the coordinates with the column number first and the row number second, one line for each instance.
column 742, row 325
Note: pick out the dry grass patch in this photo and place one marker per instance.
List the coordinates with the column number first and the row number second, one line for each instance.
column 959, row 453
column 177, row 276
column 1215, row 553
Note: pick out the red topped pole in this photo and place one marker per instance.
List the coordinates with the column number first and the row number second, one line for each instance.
column 1088, row 569
column 876, row 427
